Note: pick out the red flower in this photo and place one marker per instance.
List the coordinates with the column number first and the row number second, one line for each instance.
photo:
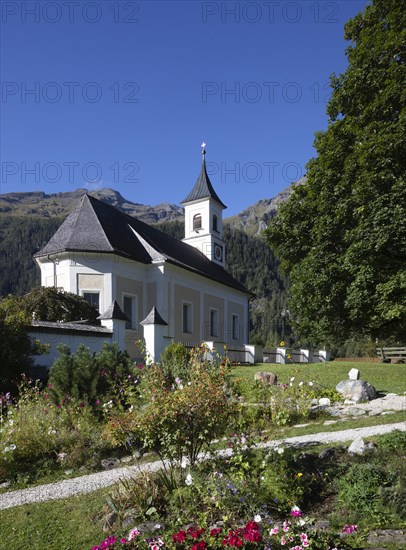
column 215, row 532
column 195, row 532
column 201, row 545
column 179, row 537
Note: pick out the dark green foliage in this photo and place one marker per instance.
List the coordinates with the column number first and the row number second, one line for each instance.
column 89, row 377
column 51, row 304
column 342, row 235
column 16, row 347
column 20, row 238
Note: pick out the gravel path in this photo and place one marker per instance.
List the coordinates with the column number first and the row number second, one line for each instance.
column 93, row 482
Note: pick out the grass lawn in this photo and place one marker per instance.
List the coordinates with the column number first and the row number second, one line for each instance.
column 385, row 377
column 69, row 524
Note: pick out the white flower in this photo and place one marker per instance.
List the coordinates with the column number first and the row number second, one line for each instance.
column 279, row 450
column 292, row 378
column 243, row 440
column 10, row 448
column 189, row 480
column 300, row 383
column 257, row 518
column 11, row 422
column 310, row 383
column 183, row 464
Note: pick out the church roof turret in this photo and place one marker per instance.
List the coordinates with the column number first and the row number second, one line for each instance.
column 203, row 188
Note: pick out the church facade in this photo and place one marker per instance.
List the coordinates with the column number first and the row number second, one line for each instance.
column 110, row 257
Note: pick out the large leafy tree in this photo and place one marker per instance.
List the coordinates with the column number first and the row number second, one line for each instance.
column 342, row 235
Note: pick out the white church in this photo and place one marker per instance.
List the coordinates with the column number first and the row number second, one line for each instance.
column 144, row 282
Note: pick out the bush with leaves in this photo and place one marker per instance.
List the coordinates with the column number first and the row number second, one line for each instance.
column 182, row 417
column 89, row 377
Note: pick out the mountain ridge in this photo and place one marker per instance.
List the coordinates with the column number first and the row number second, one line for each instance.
column 252, row 220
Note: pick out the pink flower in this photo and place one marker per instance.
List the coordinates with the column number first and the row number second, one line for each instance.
column 274, row 531
column 283, row 541
column 303, row 536
column 305, row 543
column 296, row 512
column 349, row 529
column 133, row 533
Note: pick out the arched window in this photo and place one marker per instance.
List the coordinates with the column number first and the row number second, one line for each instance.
column 197, row 222
column 215, row 227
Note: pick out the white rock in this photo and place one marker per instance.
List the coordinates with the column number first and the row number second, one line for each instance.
column 357, row 447
column 354, row 374
column 324, row 401
column 356, row 390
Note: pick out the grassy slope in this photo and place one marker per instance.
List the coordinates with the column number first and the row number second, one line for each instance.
column 386, row 378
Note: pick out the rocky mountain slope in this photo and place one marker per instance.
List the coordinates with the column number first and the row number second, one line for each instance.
column 39, row 204
column 254, row 219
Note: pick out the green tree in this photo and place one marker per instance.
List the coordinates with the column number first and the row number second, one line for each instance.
column 16, row 347
column 342, row 235
column 52, row 304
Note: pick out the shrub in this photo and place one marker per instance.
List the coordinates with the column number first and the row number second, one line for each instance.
column 180, row 418
column 90, row 377
column 175, row 362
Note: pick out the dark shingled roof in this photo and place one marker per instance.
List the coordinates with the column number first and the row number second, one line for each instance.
column 95, row 226
column 53, row 326
column 114, row 312
column 153, row 318
column 203, row 188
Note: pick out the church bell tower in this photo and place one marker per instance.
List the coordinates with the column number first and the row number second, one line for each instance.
column 204, row 217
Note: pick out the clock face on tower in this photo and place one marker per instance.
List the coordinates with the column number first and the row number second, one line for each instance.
column 218, row 252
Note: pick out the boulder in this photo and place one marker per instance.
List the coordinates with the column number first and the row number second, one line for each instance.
column 324, row 402
column 353, row 374
column 357, row 447
column 266, row 378
column 357, row 391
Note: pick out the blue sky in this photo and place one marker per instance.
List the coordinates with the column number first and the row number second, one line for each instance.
column 121, row 94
